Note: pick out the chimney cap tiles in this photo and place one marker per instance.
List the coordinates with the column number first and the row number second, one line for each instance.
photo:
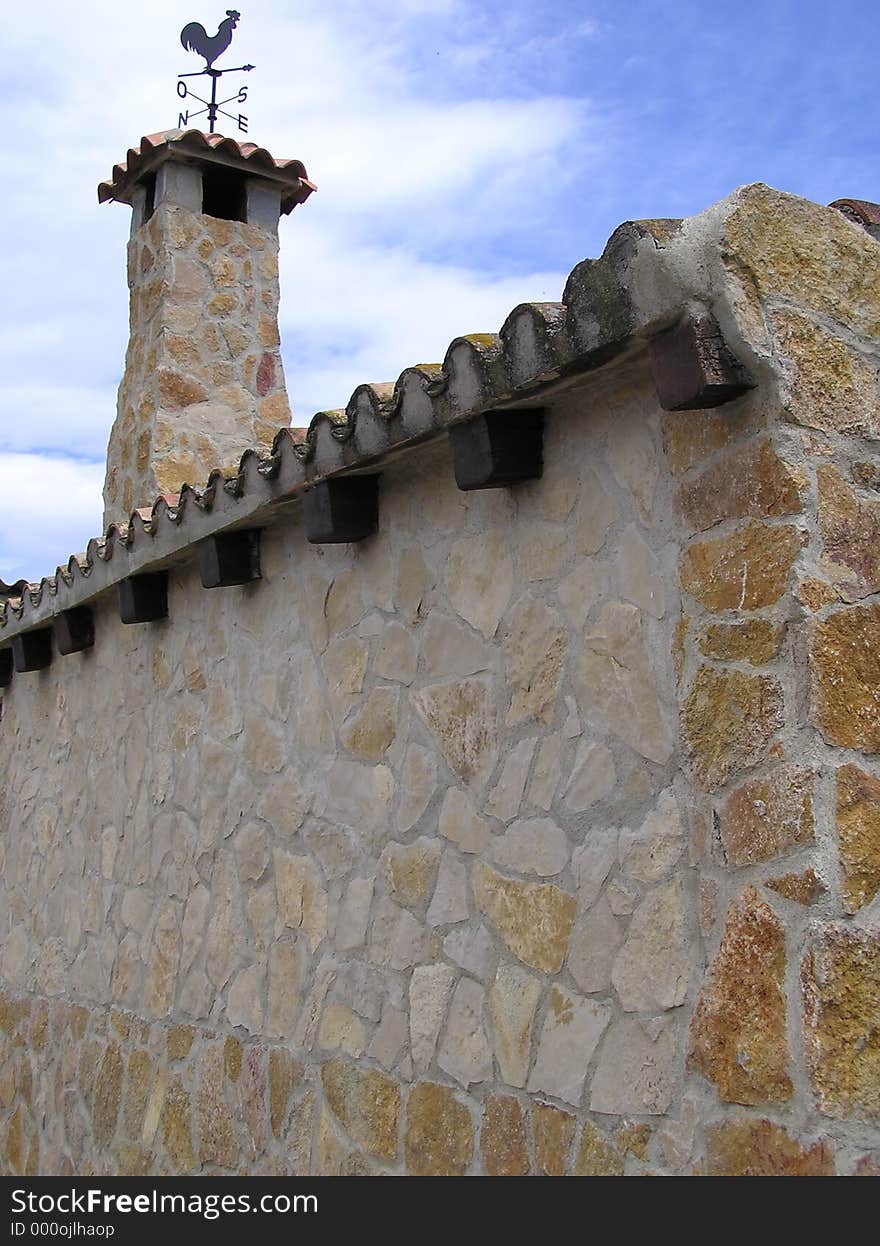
column 194, row 146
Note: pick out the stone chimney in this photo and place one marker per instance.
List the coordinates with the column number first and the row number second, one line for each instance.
column 203, row 377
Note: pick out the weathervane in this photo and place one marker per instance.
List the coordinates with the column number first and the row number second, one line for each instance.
column 195, row 38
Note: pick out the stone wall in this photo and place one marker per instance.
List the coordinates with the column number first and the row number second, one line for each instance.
column 538, row 833
column 780, row 708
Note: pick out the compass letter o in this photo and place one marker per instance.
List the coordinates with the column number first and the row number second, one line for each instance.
column 181, row 90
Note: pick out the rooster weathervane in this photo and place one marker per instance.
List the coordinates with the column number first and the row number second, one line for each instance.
column 196, row 39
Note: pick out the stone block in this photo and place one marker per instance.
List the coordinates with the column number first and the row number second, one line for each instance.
column 569, row 1037
column 513, row 999
column 639, row 575
column 637, row 1070
column 738, row 1031
column 532, row 846
column 595, row 940
column 367, row 1104
column 653, row 968
column 806, row 254
column 757, row 641
column 841, row 988
column 462, row 717
column 479, row 581
column 533, row 919
column 858, row 832
column 449, row 903
column 761, row 1148
column 506, row 796
column 804, row 887
column 613, row 676
column 410, row 870
column 845, row 663
column 749, row 481
column 371, row 731
column 439, row 1134
column 688, row 442
column 833, row 386
column 768, row 817
column 473, row 951
column 850, row 530
column 729, row 719
column 650, row 853
column 596, row 1156
column 743, row 570
column 464, row 1051
column 503, row 1144
column 553, row 1130
column 535, row 650
column 429, row 992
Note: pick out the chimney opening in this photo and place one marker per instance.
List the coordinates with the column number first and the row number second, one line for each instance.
column 149, row 196
column 224, row 194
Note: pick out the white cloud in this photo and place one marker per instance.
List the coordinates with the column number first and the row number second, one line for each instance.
column 431, row 177
column 67, row 419
column 375, row 161
column 49, row 507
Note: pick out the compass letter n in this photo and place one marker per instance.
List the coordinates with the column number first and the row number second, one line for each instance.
column 182, row 119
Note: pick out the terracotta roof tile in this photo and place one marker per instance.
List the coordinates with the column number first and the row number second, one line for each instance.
column 862, row 212
column 154, row 149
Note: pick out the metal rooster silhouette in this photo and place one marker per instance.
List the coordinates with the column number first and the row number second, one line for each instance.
column 195, row 38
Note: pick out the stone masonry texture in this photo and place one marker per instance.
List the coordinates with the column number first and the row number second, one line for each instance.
column 203, row 376
column 537, row 833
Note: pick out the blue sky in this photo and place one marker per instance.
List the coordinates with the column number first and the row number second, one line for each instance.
column 468, row 155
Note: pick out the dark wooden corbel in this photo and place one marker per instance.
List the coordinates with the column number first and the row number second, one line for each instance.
column 341, row 509
column 143, row 598
column 32, row 651
column 229, row 558
column 498, row 448
column 74, row 630
column 693, row 367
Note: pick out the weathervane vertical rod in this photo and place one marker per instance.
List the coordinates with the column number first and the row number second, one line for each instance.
column 212, row 111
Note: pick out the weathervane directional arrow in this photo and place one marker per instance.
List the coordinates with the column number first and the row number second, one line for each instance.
column 196, row 39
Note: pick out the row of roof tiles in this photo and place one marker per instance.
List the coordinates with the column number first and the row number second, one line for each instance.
column 608, row 305
column 538, row 343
